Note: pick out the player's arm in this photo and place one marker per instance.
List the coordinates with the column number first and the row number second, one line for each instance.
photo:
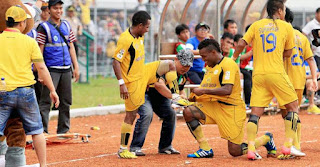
column 290, row 42
column 313, row 70
column 161, row 87
column 241, row 45
column 37, row 60
column 124, row 94
column 224, row 90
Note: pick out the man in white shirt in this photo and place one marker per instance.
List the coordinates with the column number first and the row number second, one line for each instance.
column 307, row 30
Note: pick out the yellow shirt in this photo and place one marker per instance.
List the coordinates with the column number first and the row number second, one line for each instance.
column 85, row 12
column 17, row 52
column 130, row 53
column 269, row 39
column 294, row 65
column 226, row 72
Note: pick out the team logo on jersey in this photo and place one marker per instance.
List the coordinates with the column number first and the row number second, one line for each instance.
column 209, row 80
column 120, row 54
column 55, row 38
column 215, row 72
column 227, row 75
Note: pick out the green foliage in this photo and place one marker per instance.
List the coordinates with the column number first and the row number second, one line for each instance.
column 100, row 91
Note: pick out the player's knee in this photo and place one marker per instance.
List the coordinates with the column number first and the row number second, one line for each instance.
column 254, row 119
column 289, row 116
column 284, row 113
column 130, row 117
column 187, row 114
column 234, row 150
column 293, row 106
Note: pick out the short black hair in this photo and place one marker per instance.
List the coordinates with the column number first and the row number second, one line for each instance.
column 210, row 44
column 180, row 28
column 237, row 37
column 140, row 17
column 227, row 35
column 318, row 10
column 10, row 22
column 227, row 22
column 297, row 28
column 289, row 16
column 247, row 28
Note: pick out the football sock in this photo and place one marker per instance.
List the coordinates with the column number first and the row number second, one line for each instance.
column 196, row 131
column 252, row 129
column 261, row 141
column 171, row 78
column 125, row 134
column 290, row 122
column 244, row 148
column 297, row 139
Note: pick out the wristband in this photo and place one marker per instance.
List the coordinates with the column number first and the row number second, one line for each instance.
column 121, row 81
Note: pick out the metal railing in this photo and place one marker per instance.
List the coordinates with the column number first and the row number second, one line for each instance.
column 87, row 39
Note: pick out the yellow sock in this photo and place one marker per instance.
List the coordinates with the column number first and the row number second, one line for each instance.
column 296, row 140
column 125, row 134
column 171, row 78
column 261, row 141
column 290, row 123
column 252, row 129
column 198, row 134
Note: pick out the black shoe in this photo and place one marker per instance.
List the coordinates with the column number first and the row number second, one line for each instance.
column 138, row 153
column 169, row 151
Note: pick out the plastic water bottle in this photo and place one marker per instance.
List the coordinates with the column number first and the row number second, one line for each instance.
column 2, row 86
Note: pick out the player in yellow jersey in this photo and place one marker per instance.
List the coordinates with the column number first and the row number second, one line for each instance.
column 218, row 101
column 272, row 40
column 296, row 71
column 134, row 75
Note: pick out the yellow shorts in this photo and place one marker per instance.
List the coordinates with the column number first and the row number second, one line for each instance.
column 267, row 86
column 138, row 88
column 299, row 94
column 230, row 119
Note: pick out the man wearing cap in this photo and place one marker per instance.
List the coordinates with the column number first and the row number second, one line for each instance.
column 157, row 99
column 75, row 23
column 55, row 39
column 196, row 73
column 20, row 49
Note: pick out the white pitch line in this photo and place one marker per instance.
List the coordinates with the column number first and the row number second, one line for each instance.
column 105, row 155
column 310, row 141
column 82, row 159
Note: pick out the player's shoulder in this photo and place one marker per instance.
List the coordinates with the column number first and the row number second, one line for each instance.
column 125, row 37
column 228, row 62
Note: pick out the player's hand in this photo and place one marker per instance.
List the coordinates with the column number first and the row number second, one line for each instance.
column 314, row 85
column 210, row 36
column 124, row 94
column 198, row 91
column 76, row 74
column 55, row 99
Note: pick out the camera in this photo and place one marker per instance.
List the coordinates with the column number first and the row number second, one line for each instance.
column 316, row 36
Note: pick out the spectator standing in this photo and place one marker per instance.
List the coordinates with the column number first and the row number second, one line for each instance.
column 195, row 74
column 23, row 50
column 55, row 38
column 307, row 30
column 140, row 6
column 75, row 24
column 85, row 12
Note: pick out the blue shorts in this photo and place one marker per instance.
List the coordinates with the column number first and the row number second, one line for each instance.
column 22, row 101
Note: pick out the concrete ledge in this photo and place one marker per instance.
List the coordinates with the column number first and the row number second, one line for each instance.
column 84, row 112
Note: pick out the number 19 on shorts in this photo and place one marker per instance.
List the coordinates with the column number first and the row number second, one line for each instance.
column 270, row 39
